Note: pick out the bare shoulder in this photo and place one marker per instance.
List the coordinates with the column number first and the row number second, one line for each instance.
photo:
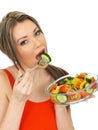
column 5, row 87
column 5, row 93
column 3, row 77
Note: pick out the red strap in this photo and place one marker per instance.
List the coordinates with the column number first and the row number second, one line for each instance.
column 11, row 78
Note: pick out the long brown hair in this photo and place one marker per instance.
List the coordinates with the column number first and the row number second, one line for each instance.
column 6, row 40
column 6, row 33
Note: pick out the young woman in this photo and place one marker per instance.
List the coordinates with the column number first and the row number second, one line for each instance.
column 24, row 105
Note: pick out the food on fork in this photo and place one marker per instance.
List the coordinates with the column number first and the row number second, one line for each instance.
column 45, row 59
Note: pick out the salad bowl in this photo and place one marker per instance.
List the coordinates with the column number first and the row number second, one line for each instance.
column 71, row 89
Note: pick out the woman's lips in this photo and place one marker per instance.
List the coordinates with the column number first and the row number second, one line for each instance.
column 38, row 56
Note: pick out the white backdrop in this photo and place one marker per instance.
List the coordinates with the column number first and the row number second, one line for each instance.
column 71, row 29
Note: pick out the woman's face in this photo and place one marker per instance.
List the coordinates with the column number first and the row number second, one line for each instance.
column 29, row 43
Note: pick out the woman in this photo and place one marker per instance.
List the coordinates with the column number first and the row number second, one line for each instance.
column 24, row 105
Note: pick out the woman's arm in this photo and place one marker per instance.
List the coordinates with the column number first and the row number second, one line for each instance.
column 11, row 109
column 13, row 114
column 63, row 118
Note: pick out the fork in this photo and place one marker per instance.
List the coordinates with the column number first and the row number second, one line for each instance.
column 30, row 70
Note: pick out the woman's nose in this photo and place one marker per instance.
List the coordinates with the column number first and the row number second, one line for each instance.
column 36, row 42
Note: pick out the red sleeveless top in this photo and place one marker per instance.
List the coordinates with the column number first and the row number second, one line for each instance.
column 36, row 116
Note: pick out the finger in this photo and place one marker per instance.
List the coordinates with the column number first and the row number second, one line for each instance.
column 92, row 96
column 86, row 100
column 22, row 76
column 30, row 88
column 18, row 75
column 25, row 81
column 26, row 76
column 97, row 87
column 26, row 88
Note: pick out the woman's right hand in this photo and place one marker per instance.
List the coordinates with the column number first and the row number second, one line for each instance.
column 23, row 89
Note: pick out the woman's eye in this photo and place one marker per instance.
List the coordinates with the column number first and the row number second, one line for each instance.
column 37, row 33
column 24, row 42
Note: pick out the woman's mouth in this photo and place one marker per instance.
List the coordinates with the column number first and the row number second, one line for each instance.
column 38, row 56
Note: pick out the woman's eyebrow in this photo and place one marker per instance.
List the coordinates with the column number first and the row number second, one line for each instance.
column 21, row 38
column 35, row 29
column 26, row 36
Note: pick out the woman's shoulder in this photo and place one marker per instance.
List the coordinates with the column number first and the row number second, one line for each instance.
column 3, row 82
column 4, row 79
column 2, row 75
column 11, row 70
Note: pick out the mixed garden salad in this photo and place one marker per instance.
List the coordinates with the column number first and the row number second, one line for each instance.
column 73, row 89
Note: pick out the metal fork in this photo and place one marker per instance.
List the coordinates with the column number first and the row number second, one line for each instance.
column 30, row 70
column 33, row 68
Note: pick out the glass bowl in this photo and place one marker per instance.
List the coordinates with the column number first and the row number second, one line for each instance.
column 71, row 89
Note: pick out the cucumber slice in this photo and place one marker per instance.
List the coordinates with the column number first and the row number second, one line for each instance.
column 89, row 90
column 61, row 98
column 45, row 59
column 61, row 82
column 88, row 80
